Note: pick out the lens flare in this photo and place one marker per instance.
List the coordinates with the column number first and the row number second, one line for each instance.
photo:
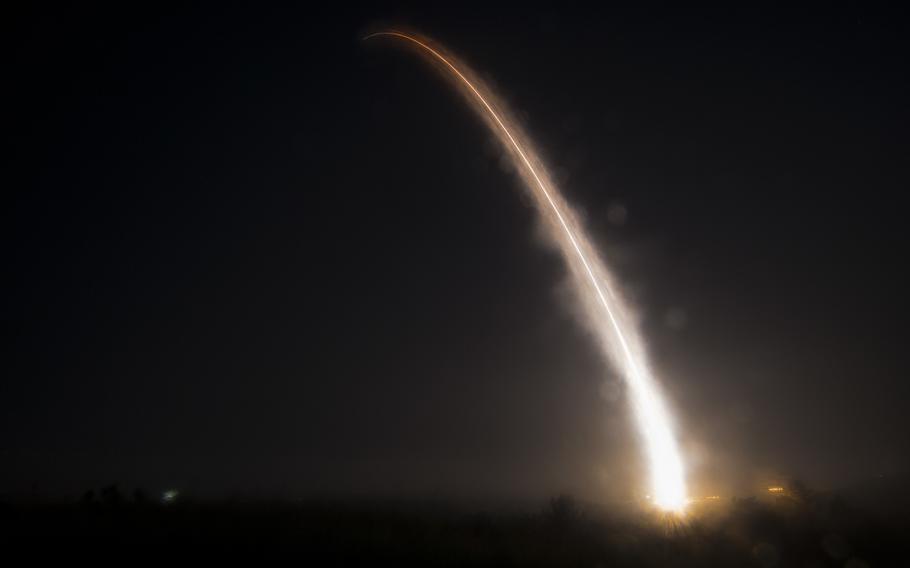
column 606, row 312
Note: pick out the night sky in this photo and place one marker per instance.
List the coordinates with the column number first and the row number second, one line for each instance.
column 247, row 253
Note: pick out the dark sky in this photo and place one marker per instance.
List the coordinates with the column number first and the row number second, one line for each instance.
column 249, row 253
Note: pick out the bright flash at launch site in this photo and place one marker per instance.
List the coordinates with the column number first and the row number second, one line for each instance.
column 430, row 285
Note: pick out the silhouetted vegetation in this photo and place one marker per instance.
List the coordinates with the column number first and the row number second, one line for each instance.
column 800, row 529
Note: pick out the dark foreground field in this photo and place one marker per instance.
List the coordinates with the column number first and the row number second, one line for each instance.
column 789, row 532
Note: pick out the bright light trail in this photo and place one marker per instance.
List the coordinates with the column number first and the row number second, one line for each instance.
column 620, row 337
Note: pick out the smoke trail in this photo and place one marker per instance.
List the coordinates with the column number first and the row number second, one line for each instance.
column 608, row 316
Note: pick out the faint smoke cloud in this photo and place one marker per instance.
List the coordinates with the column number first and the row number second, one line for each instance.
column 676, row 319
column 617, row 214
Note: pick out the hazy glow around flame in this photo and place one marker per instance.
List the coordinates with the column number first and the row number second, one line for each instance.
column 606, row 313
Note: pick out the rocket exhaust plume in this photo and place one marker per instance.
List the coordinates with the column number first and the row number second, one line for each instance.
column 607, row 314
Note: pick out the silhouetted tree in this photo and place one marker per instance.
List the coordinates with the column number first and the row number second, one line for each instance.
column 562, row 511
column 140, row 497
column 110, row 495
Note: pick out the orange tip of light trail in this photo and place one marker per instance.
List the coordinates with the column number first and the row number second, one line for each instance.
column 394, row 33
